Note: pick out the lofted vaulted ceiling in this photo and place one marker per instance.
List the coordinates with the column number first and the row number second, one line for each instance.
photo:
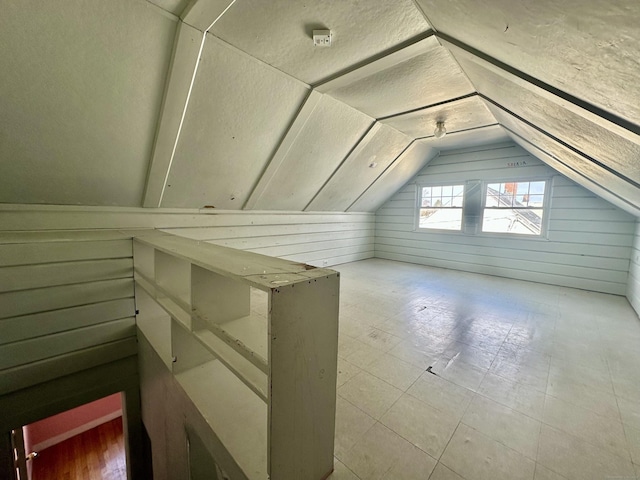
column 178, row 103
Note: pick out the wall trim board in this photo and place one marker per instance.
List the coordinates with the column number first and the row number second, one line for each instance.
column 38, row 447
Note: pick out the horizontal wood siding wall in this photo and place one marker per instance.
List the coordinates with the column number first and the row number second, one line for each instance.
column 321, row 239
column 588, row 244
column 66, row 304
column 633, row 288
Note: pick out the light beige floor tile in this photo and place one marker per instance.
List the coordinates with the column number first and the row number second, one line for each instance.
column 598, row 401
column 369, row 394
column 376, row 453
column 532, row 377
column 425, row 427
column 514, row 395
column 394, row 371
column 447, row 397
column 511, row 428
column 375, row 337
column 341, row 472
column 418, row 356
column 346, row 371
column 633, row 437
column 578, row 460
column 627, row 387
column 351, row 424
column 589, row 378
column 460, row 372
column 412, row 464
column 478, row 457
column 523, row 356
column 364, row 355
column 469, row 355
column 600, row 431
column 543, row 473
column 443, row 473
column 630, row 412
column 637, row 467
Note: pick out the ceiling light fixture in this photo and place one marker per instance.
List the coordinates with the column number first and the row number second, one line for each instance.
column 440, row 131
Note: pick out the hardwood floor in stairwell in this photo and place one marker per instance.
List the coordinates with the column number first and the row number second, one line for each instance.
column 97, row 454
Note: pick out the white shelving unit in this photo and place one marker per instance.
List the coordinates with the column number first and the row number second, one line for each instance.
column 252, row 340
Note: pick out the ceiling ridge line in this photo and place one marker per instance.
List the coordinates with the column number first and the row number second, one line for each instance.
column 426, row 107
column 471, row 129
column 594, row 109
column 561, row 142
column 424, row 15
column 375, row 125
column 374, row 58
column 381, row 174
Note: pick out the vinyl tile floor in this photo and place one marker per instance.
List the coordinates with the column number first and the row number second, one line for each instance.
column 446, row 375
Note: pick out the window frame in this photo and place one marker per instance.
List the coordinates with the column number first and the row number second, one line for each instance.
column 418, row 207
column 543, row 235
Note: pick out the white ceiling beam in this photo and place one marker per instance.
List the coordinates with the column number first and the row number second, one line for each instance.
column 203, row 14
column 184, row 64
column 289, row 139
column 602, row 182
column 613, row 127
column 413, row 50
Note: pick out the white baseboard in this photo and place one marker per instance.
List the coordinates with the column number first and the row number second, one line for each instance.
column 38, row 447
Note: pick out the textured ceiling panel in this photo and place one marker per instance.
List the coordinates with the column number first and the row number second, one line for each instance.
column 279, row 32
column 79, row 103
column 400, row 172
column 424, row 80
column 622, row 193
column 172, row 6
column 238, row 112
column 587, row 49
column 331, row 131
column 373, row 155
column 463, row 114
column 581, row 133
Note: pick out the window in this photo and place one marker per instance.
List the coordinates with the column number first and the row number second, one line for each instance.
column 514, row 207
column 440, row 207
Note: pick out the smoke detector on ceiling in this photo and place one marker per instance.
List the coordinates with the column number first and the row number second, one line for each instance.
column 322, row 38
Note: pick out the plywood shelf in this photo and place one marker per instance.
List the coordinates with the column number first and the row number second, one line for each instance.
column 253, row 342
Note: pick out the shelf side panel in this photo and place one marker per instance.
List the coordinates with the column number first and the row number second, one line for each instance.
column 303, row 365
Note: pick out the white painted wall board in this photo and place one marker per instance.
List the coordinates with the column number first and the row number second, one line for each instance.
column 412, row 160
column 604, row 183
column 184, row 62
column 225, row 143
column 51, row 345
column 173, row 274
column 173, row 6
column 302, row 117
column 633, row 285
column 579, row 252
column 426, row 79
column 34, row 253
column 23, row 302
column 302, row 416
column 463, row 114
column 69, row 106
column 39, row 324
column 360, row 30
column 593, row 139
column 24, row 376
column 382, row 145
column 64, row 273
column 589, row 50
column 331, row 131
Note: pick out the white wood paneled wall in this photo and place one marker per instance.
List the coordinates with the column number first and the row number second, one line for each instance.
column 633, row 287
column 66, row 304
column 317, row 238
column 589, row 240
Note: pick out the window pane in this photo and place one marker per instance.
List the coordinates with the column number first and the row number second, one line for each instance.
column 441, row 218
column 523, row 222
column 537, row 188
column 536, row 200
column 458, row 189
column 457, row 201
column 436, row 191
column 447, row 191
column 426, row 191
